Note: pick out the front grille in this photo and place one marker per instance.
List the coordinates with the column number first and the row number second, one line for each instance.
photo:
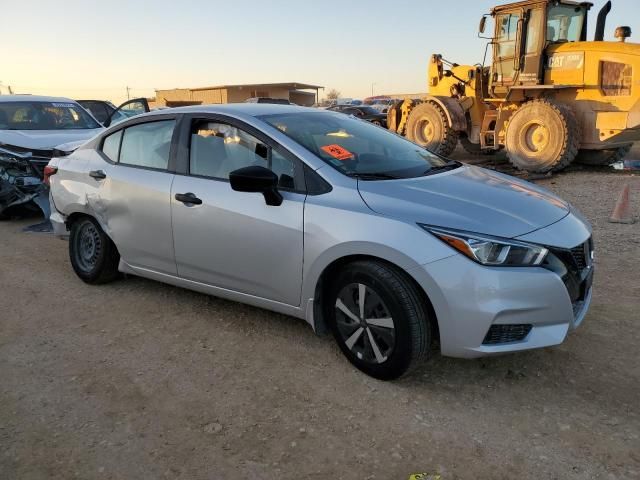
column 574, row 266
column 506, row 333
column 580, row 256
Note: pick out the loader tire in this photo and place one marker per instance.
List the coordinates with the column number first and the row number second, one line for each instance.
column 429, row 127
column 542, row 136
column 474, row 148
column 393, row 117
column 602, row 157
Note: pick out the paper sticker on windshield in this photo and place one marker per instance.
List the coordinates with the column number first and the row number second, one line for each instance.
column 63, row 105
column 336, row 151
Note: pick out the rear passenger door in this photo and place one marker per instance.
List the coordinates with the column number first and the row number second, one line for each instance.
column 234, row 240
column 132, row 184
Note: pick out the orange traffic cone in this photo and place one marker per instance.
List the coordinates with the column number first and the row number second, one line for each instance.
column 622, row 211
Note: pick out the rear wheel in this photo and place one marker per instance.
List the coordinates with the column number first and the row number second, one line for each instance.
column 542, row 136
column 603, row 157
column 93, row 255
column 429, row 127
column 378, row 318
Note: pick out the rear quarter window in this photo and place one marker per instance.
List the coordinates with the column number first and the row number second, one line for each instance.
column 111, row 146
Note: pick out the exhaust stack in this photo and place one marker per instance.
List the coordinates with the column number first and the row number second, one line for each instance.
column 602, row 18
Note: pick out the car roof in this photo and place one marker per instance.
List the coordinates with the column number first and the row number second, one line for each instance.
column 249, row 109
column 34, row 98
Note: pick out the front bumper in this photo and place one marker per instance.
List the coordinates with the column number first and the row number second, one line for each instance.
column 469, row 299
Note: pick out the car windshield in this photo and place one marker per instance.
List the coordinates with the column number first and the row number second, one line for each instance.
column 44, row 116
column 355, row 147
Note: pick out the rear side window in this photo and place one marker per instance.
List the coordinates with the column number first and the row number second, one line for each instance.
column 147, row 144
column 111, row 146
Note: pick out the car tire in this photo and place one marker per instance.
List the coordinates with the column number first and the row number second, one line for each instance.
column 391, row 331
column 94, row 257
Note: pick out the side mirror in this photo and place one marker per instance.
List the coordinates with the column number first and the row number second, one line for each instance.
column 257, row 179
column 483, row 22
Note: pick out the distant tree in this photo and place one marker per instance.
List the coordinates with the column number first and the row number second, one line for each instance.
column 333, row 94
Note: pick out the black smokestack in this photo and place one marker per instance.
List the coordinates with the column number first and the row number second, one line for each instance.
column 602, row 18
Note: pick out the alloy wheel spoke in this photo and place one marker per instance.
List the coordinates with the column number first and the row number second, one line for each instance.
column 362, row 293
column 380, row 322
column 344, row 309
column 376, row 350
column 354, row 338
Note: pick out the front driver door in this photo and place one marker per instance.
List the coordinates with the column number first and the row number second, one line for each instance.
column 234, row 240
column 505, row 52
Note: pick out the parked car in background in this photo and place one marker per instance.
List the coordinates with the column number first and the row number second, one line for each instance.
column 33, row 129
column 274, row 101
column 364, row 112
column 108, row 114
column 380, row 102
column 327, row 218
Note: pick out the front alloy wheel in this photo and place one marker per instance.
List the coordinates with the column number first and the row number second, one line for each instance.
column 365, row 324
column 379, row 318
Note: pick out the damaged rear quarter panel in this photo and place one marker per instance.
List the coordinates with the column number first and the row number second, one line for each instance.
column 73, row 191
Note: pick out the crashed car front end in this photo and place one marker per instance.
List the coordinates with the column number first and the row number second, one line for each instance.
column 21, row 180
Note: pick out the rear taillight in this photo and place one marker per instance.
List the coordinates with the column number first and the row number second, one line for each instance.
column 48, row 171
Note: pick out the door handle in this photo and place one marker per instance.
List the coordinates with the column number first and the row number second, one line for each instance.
column 188, row 198
column 98, row 174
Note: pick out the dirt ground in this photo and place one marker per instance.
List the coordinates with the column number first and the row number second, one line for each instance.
column 140, row 380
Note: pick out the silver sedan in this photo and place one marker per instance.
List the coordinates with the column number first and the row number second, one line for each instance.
column 328, row 218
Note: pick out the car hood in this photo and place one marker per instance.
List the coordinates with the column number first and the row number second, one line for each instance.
column 467, row 198
column 45, row 139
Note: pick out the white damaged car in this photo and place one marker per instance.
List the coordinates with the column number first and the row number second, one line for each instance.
column 33, row 129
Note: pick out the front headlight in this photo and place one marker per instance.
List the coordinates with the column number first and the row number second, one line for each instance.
column 491, row 251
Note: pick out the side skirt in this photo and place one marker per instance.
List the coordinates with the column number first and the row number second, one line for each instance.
column 215, row 291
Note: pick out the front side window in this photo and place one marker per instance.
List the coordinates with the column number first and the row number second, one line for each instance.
column 97, row 109
column 564, row 23
column 147, row 144
column 128, row 110
column 507, row 31
column 355, row 147
column 217, row 149
column 534, row 28
column 44, row 116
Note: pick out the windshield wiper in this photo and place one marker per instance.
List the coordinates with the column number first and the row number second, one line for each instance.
column 372, row 176
column 451, row 165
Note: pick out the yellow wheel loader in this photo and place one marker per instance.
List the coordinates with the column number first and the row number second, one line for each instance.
column 548, row 97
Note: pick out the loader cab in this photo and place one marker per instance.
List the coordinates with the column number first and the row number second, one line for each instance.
column 522, row 32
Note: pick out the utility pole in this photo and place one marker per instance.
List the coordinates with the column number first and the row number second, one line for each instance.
column 372, row 89
column 128, row 96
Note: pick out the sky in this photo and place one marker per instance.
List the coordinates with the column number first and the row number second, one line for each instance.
column 88, row 49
